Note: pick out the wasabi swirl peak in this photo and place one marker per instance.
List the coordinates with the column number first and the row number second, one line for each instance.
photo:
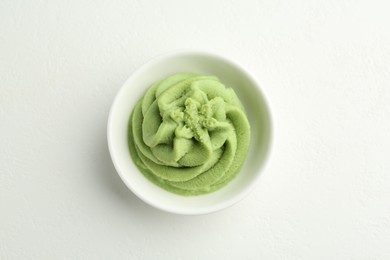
column 189, row 134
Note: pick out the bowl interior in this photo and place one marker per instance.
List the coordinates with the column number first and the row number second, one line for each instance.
column 232, row 76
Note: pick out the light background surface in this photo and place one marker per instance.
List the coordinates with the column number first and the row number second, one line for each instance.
column 324, row 65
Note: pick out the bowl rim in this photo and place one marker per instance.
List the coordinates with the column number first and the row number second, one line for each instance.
column 220, row 205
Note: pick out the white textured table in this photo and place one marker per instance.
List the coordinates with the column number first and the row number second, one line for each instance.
column 324, row 65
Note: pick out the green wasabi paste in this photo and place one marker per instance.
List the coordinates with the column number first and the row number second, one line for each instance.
column 189, row 134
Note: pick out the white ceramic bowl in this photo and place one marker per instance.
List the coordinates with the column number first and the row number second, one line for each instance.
column 232, row 75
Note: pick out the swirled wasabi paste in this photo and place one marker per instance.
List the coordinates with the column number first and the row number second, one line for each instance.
column 189, row 134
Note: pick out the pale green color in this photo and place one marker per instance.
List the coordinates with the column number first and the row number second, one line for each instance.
column 189, row 134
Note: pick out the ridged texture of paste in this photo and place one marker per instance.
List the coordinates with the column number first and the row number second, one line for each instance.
column 189, row 134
